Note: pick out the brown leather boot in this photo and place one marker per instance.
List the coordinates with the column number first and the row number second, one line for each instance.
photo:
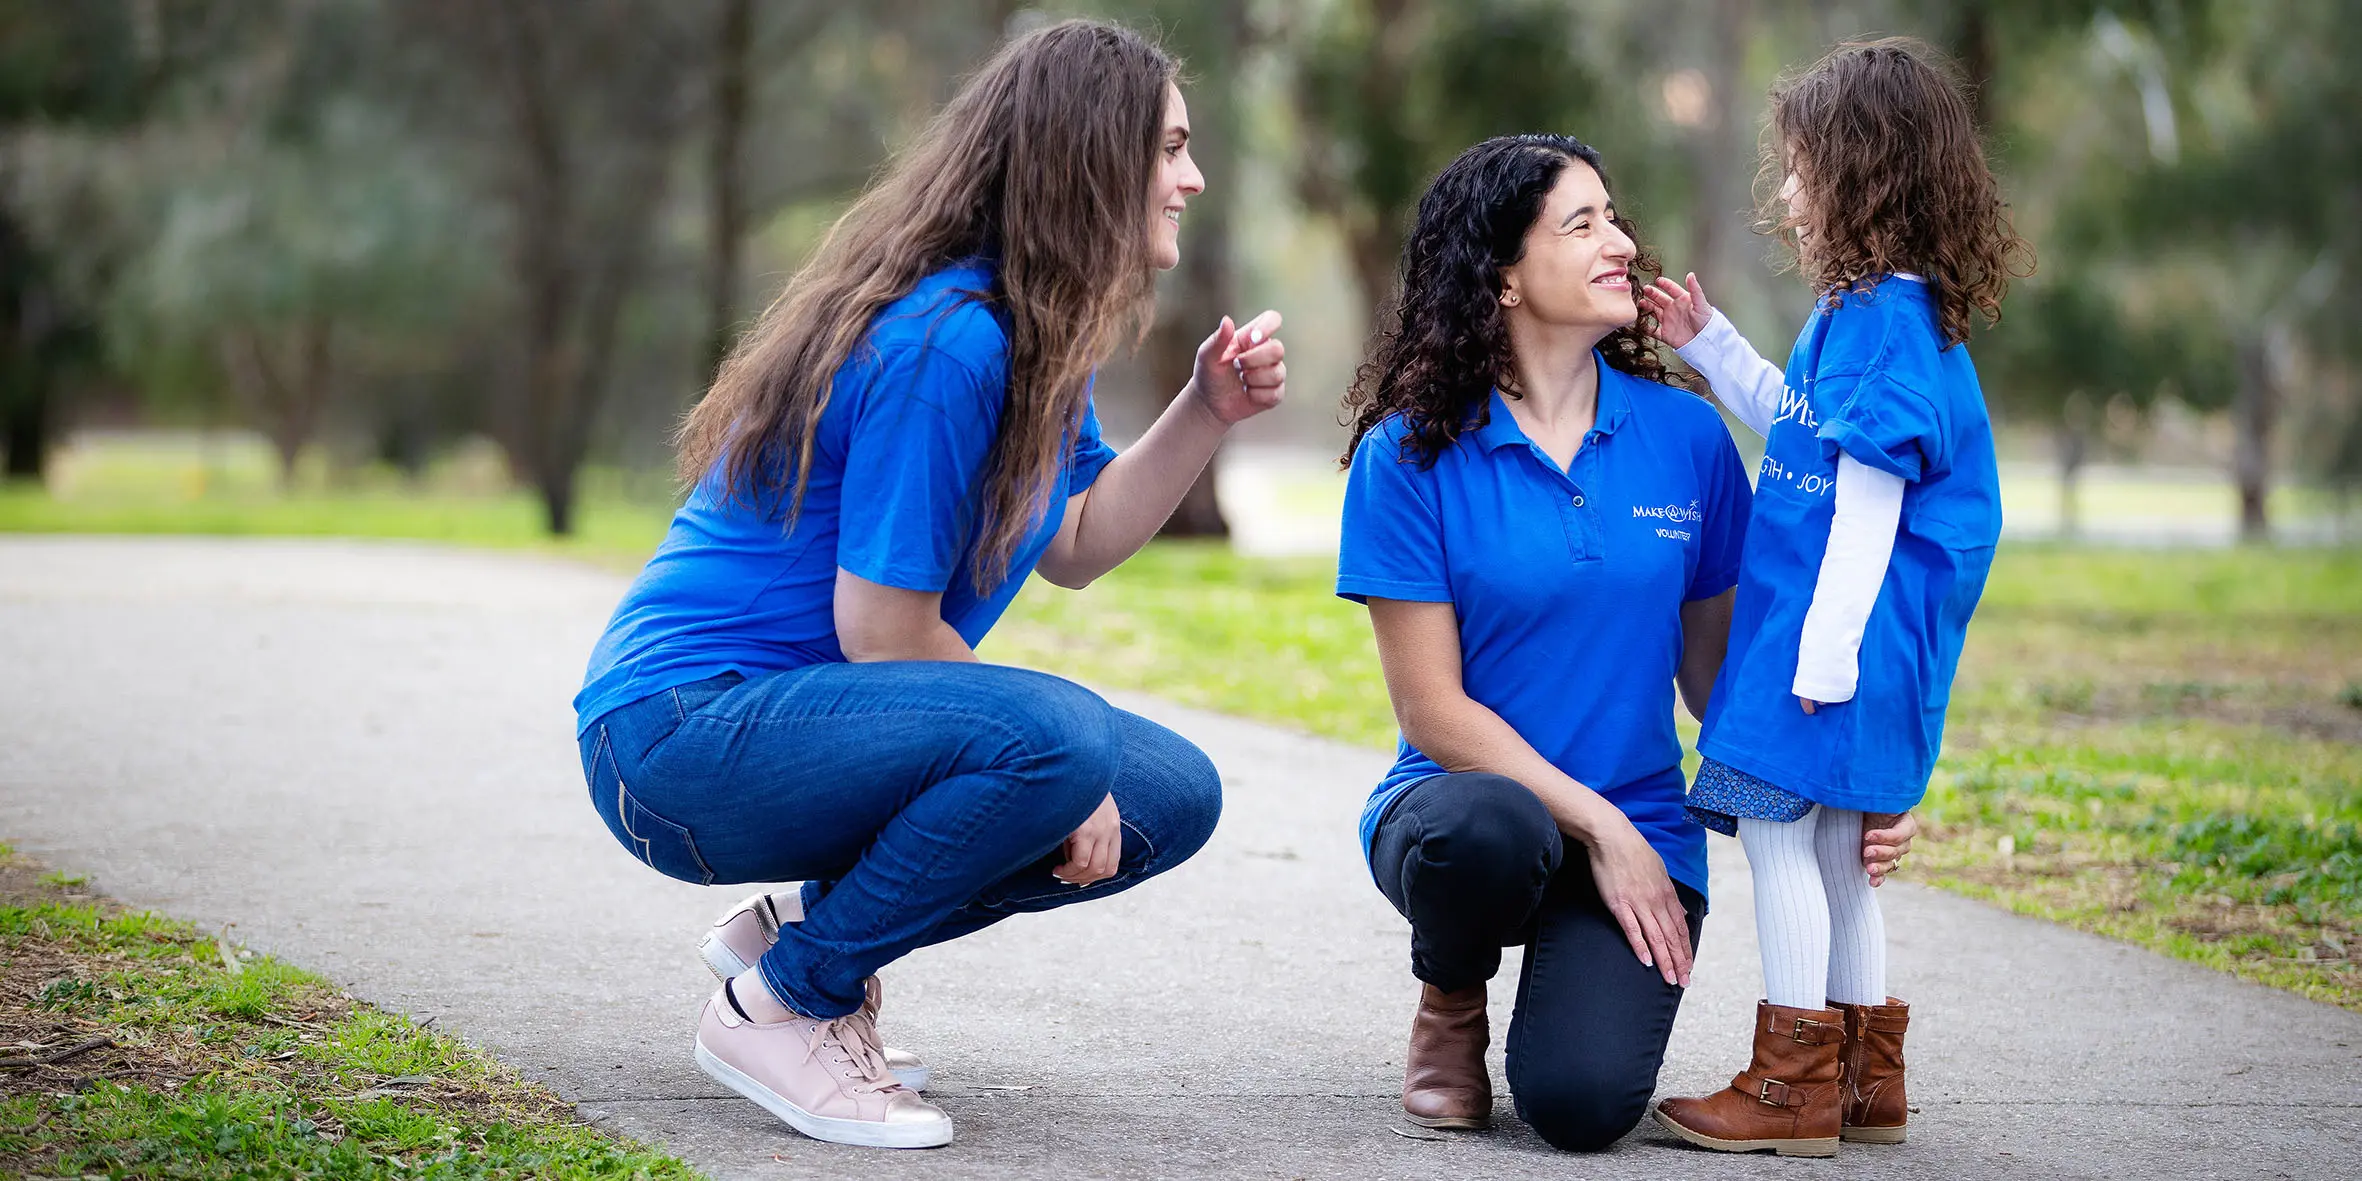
column 1786, row 1100
column 1444, row 1084
column 1872, row 1084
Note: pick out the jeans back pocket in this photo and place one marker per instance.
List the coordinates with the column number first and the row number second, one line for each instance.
column 659, row 843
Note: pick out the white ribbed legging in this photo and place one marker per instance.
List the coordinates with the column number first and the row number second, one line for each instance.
column 1816, row 918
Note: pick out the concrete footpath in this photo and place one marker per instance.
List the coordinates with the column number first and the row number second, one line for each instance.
column 362, row 756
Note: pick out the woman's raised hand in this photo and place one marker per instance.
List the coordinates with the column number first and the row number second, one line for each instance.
column 1682, row 311
column 1631, row 880
column 1242, row 370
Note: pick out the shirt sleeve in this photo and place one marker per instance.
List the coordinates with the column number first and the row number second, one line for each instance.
column 1090, row 455
column 1741, row 379
column 1391, row 543
column 1886, row 425
column 1722, row 533
column 913, row 466
column 1868, row 511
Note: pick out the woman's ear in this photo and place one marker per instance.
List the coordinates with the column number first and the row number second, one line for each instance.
column 1509, row 296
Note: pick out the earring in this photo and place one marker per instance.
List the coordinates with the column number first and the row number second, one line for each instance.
column 1509, row 300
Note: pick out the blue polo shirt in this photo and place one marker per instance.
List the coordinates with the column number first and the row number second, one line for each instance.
column 897, row 470
column 1568, row 584
column 1870, row 377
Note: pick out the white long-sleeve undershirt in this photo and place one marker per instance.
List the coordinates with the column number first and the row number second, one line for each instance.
column 1862, row 526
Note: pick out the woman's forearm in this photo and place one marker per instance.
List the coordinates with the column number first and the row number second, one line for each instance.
column 1137, row 492
column 1465, row 736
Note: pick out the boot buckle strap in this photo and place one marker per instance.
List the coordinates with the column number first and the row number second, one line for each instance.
column 1763, row 1093
column 1808, row 1032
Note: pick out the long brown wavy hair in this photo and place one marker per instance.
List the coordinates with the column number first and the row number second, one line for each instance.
column 1443, row 345
column 1880, row 135
column 1042, row 163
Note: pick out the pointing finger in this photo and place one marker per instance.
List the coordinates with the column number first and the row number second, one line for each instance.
column 1225, row 341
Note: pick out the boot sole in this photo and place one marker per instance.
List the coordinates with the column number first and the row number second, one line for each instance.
column 725, row 965
column 1854, row 1135
column 1807, row 1146
column 1459, row 1123
column 860, row 1133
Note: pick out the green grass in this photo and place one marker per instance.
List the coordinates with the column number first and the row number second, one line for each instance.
column 2164, row 737
column 612, row 529
column 226, row 1064
column 2171, row 741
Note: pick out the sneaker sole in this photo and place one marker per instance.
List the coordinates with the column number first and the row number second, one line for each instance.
column 860, row 1133
column 1806, row 1146
column 725, row 965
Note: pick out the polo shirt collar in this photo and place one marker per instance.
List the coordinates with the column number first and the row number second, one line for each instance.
column 1615, row 405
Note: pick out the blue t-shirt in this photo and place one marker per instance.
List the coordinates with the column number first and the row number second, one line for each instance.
column 1568, row 584
column 894, row 496
column 1869, row 376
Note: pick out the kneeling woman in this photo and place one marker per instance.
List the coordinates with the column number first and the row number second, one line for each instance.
column 1547, row 537
column 790, row 690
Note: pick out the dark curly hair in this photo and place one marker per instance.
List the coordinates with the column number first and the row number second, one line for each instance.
column 1443, row 345
column 1881, row 137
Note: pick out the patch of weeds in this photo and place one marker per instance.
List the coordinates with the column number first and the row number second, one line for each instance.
column 162, row 1052
column 65, row 881
column 2351, row 695
column 2067, row 697
column 2213, row 843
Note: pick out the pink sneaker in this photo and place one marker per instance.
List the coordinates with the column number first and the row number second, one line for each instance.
column 747, row 930
column 827, row 1079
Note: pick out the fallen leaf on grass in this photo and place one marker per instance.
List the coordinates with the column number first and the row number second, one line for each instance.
column 229, row 955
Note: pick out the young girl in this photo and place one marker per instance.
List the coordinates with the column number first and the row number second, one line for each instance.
column 1876, row 510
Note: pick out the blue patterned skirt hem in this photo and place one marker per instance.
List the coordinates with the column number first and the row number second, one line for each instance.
column 1722, row 794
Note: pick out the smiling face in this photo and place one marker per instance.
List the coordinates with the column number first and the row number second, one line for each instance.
column 1177, row 180
column 1576, row 269
column 1799, row 203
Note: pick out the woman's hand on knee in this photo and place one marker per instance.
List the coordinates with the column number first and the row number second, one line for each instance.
column 1632, row 881
column 1095, row 849
column 1886, row 836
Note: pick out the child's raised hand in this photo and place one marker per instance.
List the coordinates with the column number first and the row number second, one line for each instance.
column 1682, row 311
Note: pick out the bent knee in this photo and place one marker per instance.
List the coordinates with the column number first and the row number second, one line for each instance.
column 1485, row 820
column 1578, row 1114
column 1168, row 788
column 1061, row 731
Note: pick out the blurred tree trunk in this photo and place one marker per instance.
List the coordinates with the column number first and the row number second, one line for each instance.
column 24, row 377
column 287, row 396
column 2253, row 408
column 2076, row 423
column 733, row 44
column 593, row 95
column 1720, row 151
column 1204, row 287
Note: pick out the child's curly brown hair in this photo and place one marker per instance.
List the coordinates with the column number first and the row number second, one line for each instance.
column 1881, row 138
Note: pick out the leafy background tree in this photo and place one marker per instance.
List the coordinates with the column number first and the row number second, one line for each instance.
column 375, row 230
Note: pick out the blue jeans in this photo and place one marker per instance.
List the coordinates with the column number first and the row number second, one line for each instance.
column 919, row 801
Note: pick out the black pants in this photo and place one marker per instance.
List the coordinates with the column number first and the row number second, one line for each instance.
column 1476, row 864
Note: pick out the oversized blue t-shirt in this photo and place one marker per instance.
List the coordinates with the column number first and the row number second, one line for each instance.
column 897, row 472
column 1869, row 376
column 1568, row 584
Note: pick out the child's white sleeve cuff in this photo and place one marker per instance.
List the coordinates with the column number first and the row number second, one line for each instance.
column 1740, row 377
column 1869, row 510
